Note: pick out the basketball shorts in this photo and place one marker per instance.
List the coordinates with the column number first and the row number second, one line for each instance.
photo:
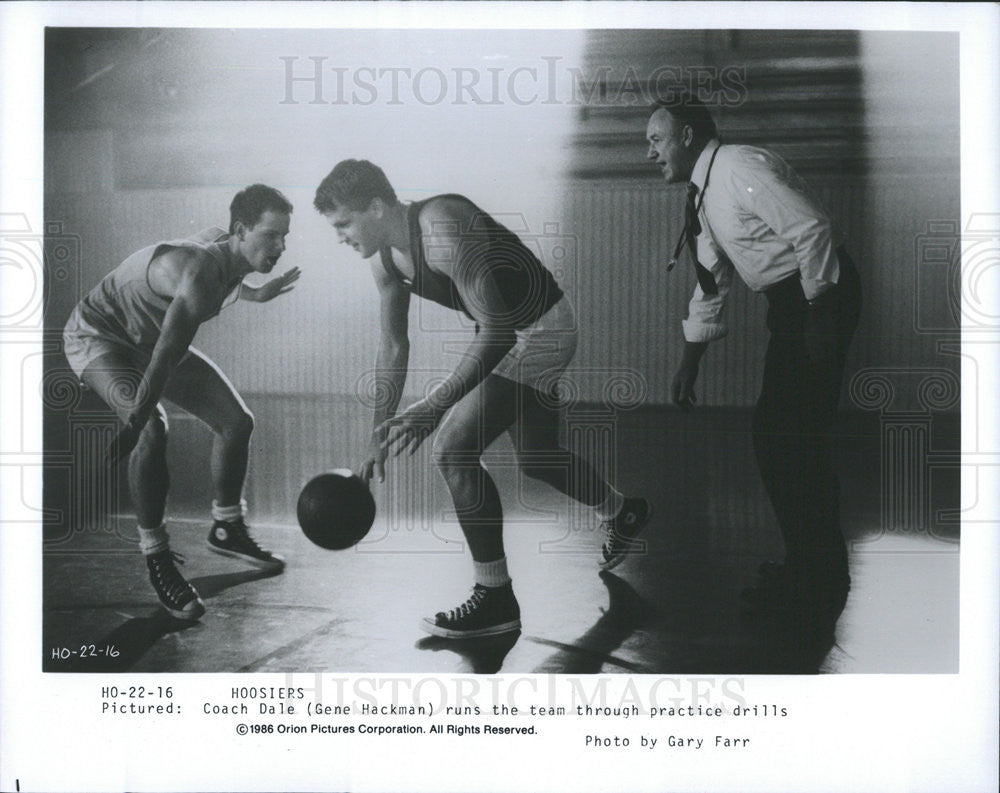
column 83, row 344
column 543, row 350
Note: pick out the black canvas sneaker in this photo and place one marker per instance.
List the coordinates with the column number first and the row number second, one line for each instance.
column 489, row 611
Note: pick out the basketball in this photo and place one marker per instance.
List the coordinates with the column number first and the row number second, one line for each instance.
column 336, row 510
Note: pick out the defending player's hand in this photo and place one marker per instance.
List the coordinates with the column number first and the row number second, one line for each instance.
column 124, row 442
column 278, row 285
column 374, row 464
column 682, row 388
column 406, row 431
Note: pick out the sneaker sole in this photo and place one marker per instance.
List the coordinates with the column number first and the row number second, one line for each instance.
column 277, row 564
column 493, row 630
column 614, row 561
column 187, row 616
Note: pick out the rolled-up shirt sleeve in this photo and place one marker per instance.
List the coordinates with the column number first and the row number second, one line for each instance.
column 706, row 320
column 775, row 194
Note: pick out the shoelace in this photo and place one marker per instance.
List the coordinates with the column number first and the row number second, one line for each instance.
column 470, row 605
column 170, row 580
column 611, row 535
column 240, row 535
column 610, row 527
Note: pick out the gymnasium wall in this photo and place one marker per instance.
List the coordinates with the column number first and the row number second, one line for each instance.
column 150, row 133
column 156, row 146
column 631, row 306
column 870, row 119
column 321, row 337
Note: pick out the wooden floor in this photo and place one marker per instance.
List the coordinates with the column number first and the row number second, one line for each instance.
column 674, row 609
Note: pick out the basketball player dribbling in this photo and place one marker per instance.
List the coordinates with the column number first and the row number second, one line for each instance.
column 447, row 250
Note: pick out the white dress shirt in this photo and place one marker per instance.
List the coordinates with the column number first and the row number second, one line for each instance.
column 759, row 218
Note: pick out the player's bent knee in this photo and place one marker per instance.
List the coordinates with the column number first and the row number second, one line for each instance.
column 453, row 457
column 153, row 438
column 442, row 455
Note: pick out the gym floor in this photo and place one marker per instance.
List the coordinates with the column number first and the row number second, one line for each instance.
column 673, row 609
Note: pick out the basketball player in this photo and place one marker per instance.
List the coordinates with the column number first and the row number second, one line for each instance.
column 129, row 341
column 447, row 250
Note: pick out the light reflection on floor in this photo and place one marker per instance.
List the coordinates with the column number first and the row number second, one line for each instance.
column 675, row 610
column 672, row 611
column 902, row 615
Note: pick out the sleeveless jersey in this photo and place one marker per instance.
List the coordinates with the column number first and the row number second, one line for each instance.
column 527, row 288
column 124, row 306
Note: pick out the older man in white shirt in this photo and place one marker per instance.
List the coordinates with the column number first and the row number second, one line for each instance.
column 749, row 212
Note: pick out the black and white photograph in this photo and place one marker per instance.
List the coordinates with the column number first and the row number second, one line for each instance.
column 605, row 387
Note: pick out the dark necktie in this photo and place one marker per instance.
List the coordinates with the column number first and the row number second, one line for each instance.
column 692, row 228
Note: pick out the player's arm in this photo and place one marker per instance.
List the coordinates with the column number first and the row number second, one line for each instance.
column 705, row 322
column 393, row 355
column 441, row 222
column 475, row 278
column 194, row 295
column 682, row 387
column 271, row 288
column 391, row 365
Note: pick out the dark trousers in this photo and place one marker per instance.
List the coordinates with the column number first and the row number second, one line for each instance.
column 795, row 417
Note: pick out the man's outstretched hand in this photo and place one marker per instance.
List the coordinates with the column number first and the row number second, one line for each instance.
column 278, row 285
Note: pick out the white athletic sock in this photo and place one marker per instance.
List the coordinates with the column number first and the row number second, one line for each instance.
column 491, row 574
column 611, row 506
column 153, row 540
column 229, row 513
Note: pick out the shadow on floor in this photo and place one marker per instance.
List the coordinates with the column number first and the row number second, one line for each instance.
column 482, row 656
column 122, row 648
column 211, row 585
column 119, row 650
column 784, row 648
column 626, row 613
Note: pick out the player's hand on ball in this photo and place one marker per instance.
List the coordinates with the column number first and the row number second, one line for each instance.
column 374, row 464
column 278, row 285
column 410, row 428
